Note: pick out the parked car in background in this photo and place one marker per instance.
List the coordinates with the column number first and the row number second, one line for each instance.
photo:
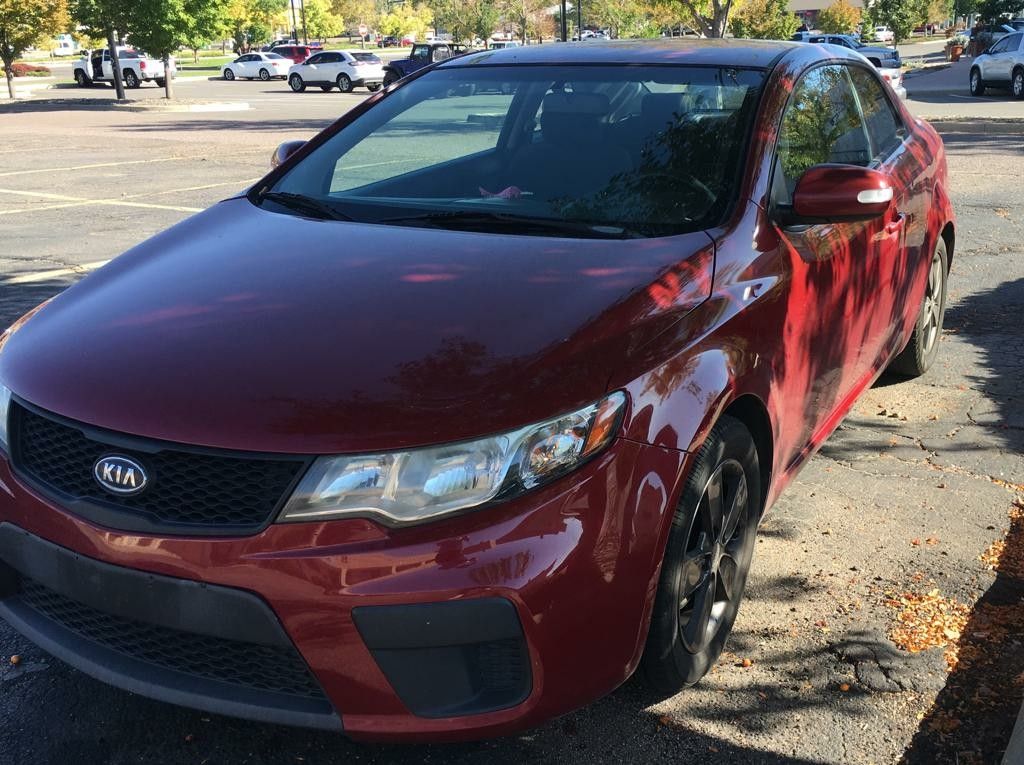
column 136, row 68
column 447, row 426
column 421, row 55
column 983, row 37
column 502, row 44
column 389, row 41
column 883, row 34
column 879, row 56
column 338, row 68
column 297, row 53
column 1000, row 66
column 274, row 43
column 894, row 76
column 251, row 66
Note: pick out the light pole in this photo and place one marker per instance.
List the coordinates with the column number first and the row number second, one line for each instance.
column 565, row 25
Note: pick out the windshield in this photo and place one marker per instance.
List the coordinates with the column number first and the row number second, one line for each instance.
column 648, row 150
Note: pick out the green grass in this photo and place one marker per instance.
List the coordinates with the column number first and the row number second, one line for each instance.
column 206, row 63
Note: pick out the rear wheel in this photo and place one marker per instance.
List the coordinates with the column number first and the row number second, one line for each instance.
column 977, row 84
column 131, row 79
column 1017, row 83
column 923, row 347
column 344, row 83
column 82, row 79
column 296, row 84
column 373, row 87
column 706, row 560
column 264, row 75
column 389, row 77
column 229, row 75
column 160, row 82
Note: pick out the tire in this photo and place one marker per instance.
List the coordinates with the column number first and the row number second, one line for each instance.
column 160, row 82
column 977, row 84
column 1017, row 83
column 389, row 78
column 264, row 75
column 296, row 84
column 920, row 353
column 131, row 80
column 697, row 601
column 344, row 83
column 326, row 88
column 229, row 75
column 373, row 87
column 82, row 79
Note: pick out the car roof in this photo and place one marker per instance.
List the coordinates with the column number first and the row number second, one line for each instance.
column 758, row 54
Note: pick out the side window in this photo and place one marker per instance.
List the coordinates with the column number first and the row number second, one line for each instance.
column 999, row 47
column 821, row 124
column 885, row 128
column 1013, row 42
column 421, row 51
column 440, row 54
column 318, row 59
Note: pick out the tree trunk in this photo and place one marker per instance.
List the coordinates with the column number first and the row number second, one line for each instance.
column 9, row 67
column 168, row 87
column 115, row 66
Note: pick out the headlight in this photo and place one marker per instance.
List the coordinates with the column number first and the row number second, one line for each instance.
column 5, row 405
column 420, row 484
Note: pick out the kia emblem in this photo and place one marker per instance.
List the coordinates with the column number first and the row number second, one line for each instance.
column 120, row 475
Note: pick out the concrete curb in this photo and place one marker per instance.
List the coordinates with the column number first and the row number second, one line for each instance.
column 1014, row 754
column 219, row 106
column 972, row 123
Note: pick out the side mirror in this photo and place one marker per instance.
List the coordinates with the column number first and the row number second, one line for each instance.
column 284, row 151
column 840, row 193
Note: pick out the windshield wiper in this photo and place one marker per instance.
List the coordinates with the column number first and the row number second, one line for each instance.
column 515, row 223
column 314, row 208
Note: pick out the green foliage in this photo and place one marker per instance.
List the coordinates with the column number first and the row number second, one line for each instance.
column 901, row 16
column 22, row 23
column 625, row 18
column 840, row 18
column 407, row 19
column 322, row 21
column 764, row 20
column 964, row 8
column 993, row 10
column 466, row 19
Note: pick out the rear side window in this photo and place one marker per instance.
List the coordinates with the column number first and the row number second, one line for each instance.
column 367, row 57
column 822, row 123
column 885, row 128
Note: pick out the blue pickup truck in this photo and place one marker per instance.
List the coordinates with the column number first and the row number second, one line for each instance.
column 421, row 55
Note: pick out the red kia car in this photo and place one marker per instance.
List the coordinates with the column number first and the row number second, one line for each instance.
column 562, row 323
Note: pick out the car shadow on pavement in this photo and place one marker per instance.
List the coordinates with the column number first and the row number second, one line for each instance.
column 973, row 715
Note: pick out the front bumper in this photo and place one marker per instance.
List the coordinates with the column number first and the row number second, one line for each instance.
column 469, row 627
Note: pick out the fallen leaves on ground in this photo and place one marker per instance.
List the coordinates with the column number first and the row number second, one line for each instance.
column 928, row 620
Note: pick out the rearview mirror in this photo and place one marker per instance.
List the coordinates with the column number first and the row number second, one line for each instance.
column 840, row 193
column 284, row 151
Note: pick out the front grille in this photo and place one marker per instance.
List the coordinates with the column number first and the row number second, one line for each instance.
column 201, row 490
column 273, row 669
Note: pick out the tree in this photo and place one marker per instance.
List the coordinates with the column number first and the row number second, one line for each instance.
column 901, row 16
column 251, row 22
column 105, row 17
column 709, row 17
column 22, row 23
column 160, row 27
column 764, row 20
column 321, row 19
column 840, row 18
column 994, row 10
column 207, row 21
column 625, row 18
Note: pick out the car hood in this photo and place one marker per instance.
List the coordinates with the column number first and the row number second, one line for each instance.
column 243, row 328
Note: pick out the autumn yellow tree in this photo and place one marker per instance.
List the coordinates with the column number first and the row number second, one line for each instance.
column 23, row 23
column 840, row 18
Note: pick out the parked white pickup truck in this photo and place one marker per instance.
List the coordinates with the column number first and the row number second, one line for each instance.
column 136, row 68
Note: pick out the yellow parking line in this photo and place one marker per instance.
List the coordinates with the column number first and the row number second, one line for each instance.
column 53, row 273
column 90, row 166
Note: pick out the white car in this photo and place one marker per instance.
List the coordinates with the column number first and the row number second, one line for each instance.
column 249, row 66
column 338, row 68
column 1001, row 66
column 884, row 34
column 136, row 68
column 895, row 79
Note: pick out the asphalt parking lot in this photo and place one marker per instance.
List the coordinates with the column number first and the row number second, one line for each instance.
column 903, row 506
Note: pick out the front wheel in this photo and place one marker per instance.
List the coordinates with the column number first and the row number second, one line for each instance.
column 389, row 78
column 373, row 87
column 344, row 83
column 296, row 84
column 264, row 75
column 81, row 78
column 707, row 558
column 1017, row 83
column 977, row 84
column 920, row 353
column 229, row 75
column 160, row 82
column 131, row 79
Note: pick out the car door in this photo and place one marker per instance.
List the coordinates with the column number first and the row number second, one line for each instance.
column 334, row 64
column 895, row 264
column 995, row 63
column 311, row 71
column 830, row 298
